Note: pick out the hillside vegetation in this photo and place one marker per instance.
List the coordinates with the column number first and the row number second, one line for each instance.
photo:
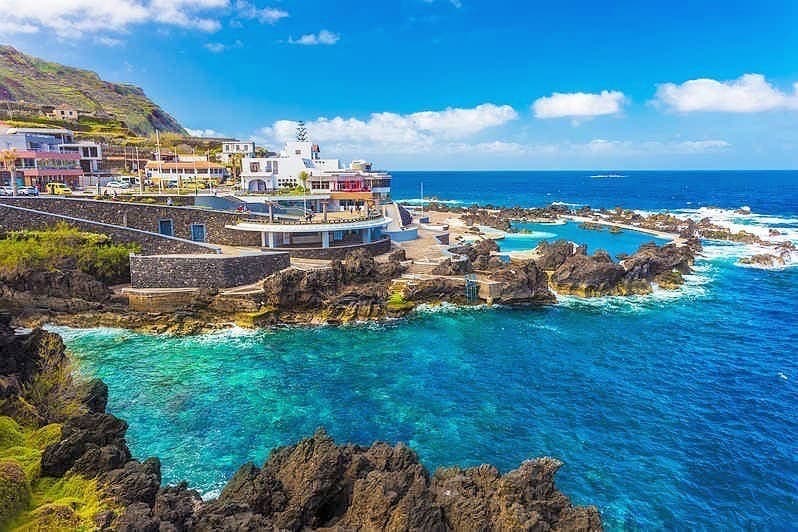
column 117, row 106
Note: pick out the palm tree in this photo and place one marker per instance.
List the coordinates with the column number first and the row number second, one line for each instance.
column 234, row 162
column 303, row 176
column 9, row 159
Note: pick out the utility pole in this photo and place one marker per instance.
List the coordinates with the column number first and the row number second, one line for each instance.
column 138, row 172
column 160, row 163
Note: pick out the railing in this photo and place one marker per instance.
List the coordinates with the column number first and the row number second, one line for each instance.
column 315, row 221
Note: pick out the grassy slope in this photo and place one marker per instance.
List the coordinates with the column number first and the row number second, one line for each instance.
column 92, row 253
column 24, row 77
column 29, row 501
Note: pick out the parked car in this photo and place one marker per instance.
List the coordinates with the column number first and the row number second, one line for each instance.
column 117, row 184
column 133, row 181
column 28, row 191
column 6, row 191
column 58, row 189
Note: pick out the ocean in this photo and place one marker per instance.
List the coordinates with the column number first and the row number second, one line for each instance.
column 677, row 410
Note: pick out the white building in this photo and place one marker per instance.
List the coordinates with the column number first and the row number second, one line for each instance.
column 302, row 159
column 91, row 154
column 237, row 147
column 173, row 172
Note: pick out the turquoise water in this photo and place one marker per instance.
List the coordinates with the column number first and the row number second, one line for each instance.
column 613, row 243
column 677, row 410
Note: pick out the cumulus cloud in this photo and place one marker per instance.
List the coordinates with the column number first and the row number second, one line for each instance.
column 204, row 133
column 393, row 132
column 266, row 15
column 313, row 39
column 108, row 41
column 73, row 18
column 218, row 47
column 750, row 93
column 579, row 105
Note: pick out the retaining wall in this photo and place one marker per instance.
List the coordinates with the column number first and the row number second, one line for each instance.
column 377, row 247
column 208, row 271
column 145, row 217
column 16, row 218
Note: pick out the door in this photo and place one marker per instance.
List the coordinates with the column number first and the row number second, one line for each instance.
column 165, row 227
column 198, row 232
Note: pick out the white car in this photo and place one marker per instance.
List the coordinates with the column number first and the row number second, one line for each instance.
column 6, row 191
column 117, row 184
column 27, row 191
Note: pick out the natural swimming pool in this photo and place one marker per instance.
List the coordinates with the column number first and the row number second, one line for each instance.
column 530, row 234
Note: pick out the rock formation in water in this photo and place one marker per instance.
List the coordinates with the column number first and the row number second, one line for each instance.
column 353, row 289
column 573, row 271
column 312, row 485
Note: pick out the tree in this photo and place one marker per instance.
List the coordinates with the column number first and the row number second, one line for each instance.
column 235, row 167
column 9, row 159
column 303, row 177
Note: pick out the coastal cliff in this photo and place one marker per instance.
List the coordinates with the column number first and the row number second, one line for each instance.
column 65, row 464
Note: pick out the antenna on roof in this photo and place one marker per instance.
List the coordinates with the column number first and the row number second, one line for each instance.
column 301, row 131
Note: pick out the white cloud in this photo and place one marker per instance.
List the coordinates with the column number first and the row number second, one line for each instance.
column 73, row 18
column 579, row 104
column 11, row 28
column 750, row 93
column 393, row 132
column 215, row 47
column 218, row 47
column 313, row 39
column 108, row 41
column 266, row 15
column 204, row 133
column 456, row 3
column 654, row 147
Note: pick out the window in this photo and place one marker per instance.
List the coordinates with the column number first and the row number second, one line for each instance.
column 254, row 167
column 166, row 227
column 198, row 232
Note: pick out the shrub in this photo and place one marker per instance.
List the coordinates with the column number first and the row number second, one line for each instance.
column 63, row 246
column 14, row 491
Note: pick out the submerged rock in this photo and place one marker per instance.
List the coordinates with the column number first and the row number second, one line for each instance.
column 765, row 260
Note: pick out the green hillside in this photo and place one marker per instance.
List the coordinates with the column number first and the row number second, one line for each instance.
column 34, row 81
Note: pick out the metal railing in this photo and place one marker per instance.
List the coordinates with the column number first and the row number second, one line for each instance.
column 315, row 221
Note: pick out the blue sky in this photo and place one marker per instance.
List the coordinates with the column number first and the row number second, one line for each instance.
column 454, row 84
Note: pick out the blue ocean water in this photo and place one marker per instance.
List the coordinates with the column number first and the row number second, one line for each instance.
column 677, row 410
column 764, row 191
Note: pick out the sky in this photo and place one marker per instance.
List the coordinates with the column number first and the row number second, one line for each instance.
column 453, row 84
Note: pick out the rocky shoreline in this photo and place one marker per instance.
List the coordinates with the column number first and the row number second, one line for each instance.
column 360, row 288
column 315, row 484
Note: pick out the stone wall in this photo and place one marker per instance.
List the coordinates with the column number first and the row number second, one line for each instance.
column 378, row 247
column 15, row 218
column 145, row 217
column 166, row 301
column 209, row 271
